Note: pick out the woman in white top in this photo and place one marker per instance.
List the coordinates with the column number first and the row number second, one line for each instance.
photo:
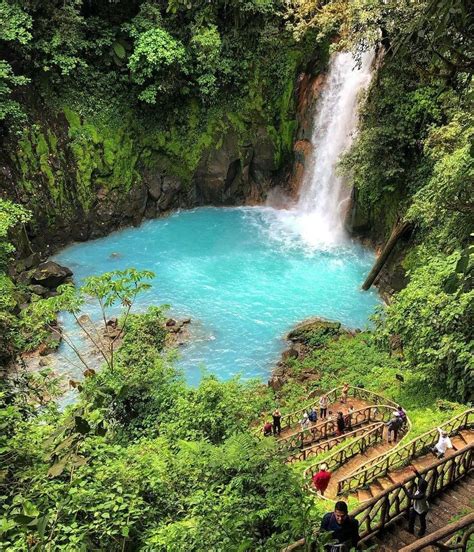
column 444, row 442
column 323, row 406
column 304, row 422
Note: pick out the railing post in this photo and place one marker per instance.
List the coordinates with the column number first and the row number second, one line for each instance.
column 384, row 510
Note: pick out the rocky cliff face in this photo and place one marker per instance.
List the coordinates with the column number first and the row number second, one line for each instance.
column 82, row 181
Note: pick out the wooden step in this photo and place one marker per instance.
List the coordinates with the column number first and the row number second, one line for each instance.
column 364, row 494
column 401, row 475
column 467, row 435
column 467, row 493
column 405, row 537
column 385, row 482
column 458, row 441
column 376, row 488
column 462, row 498
column 424, row 461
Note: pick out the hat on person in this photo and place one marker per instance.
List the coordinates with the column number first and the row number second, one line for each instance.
column 305, row 415
column 396, row 414
column 323, row 466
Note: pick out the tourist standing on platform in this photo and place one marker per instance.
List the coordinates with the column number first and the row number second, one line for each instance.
column 304, row 422
column 323, row 406
column 276, row 422
column 403, row 414
column 393, row 427
column 348, row 418
column 419, row 507
column 341, row 426
column 444, row 442
column 344, row 393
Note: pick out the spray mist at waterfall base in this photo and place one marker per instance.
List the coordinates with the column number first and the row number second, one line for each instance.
column 317, row 218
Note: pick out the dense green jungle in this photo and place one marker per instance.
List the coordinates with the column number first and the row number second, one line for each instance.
column 117, row 111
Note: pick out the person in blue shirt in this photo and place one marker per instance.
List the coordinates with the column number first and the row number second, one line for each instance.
column 312, row 415
column 343, row 527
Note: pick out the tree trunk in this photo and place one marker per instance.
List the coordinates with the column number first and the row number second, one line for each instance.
column 399, row 229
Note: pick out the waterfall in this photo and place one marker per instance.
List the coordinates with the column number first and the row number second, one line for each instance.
column 318, row 216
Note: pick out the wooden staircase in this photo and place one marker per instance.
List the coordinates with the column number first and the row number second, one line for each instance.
column 463, row 438
column 382, row 519
column 455, row 501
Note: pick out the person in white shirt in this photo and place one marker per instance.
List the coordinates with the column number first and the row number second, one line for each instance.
column 444, row 442
column 304, row 422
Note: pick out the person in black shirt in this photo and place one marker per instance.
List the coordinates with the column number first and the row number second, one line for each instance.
column 344, row 528
column 276, row 422
column 419, row 506
column 340, row 423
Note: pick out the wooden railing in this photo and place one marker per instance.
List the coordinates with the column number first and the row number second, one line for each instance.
column 401, row 456
column 292, row 419
column 389, row 506
column 392, row 504
column 328, row 428
column 324, row 446
column 458, row 542
column 353, row 448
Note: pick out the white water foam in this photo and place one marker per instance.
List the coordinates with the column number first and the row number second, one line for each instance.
column 317, row 218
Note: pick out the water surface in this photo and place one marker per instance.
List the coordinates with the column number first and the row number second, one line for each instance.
column 242, row 277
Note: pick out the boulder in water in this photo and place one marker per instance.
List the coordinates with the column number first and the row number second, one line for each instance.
column 50, row 275
column 315, row 332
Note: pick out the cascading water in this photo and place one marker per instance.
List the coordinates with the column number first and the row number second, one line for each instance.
column 318, row 216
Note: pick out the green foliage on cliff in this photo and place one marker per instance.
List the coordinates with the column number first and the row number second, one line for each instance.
column 12, row 219
column 413, row 160
column 150, row 85
column 433, row 317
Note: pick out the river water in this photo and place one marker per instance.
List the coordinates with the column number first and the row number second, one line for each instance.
column 247, row 275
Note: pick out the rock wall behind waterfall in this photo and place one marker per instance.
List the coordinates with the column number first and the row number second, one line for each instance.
column 83, row 180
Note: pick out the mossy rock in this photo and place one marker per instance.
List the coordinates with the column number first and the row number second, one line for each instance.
column 316, row 332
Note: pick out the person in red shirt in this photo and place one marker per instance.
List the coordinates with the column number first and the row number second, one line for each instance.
column 321, row 479
column 267, row 429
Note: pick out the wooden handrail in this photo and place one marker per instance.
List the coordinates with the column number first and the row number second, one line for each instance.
column 340, row 457
column 392, row 504
column 328, row 428
column 442, row 534
column 439, row 476
column 292, row 418
column 356, row 392
column 324, row 446
column 380, row 465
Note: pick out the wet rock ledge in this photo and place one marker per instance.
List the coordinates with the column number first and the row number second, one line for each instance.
column 311, row 334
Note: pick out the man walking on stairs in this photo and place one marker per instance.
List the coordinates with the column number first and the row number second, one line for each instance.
column 344, row 529
column 419, row 506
